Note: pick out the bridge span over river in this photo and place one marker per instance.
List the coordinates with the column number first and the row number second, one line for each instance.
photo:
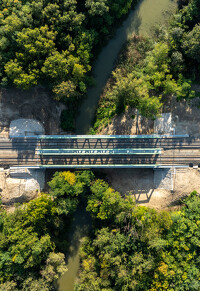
column 100, row 151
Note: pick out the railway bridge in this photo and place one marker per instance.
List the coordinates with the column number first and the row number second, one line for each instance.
column 100, row 151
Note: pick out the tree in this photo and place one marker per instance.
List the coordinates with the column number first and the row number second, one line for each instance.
column 27, row 247
column 34, row 45
column 56, row 67
column 35, row 284
column 8, row 286
column 39, row 213
column 65, row 91
column 134, row 92
column 191, row 43
column 97, row 8
column 120, row 7
column 104, row 201
column 126, row 245
column 179, row 266
column 55, row 267
column 52, row 43
column 21, row 248
column 65, row 189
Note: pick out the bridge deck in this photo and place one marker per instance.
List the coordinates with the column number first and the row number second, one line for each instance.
column 96, row 151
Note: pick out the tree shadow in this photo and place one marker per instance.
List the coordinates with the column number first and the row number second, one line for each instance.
column 186, row 116
column 143, row 193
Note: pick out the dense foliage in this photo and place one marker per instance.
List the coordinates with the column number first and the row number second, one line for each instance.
column 138, row 248
column 27, row 252
column 66, row 187
column 184, row 40
column 29, row 237
column 129, row 248
column 151, row 71
column 53, row 42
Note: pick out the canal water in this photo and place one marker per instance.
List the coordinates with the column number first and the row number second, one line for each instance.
column 145, row 16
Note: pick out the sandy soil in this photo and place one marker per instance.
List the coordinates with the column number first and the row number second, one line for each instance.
column 36, row 103
column 17, row 190
column 140, row 184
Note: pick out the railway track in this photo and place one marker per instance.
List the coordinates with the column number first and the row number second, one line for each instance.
column 88, row 160
column 25, row 152
column 96, row 143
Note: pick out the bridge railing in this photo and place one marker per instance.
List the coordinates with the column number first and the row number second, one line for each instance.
column 110, row 136
column 80, row 152
column 151, row 136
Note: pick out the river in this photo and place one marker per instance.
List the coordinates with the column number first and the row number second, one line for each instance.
column 141, row 20
column 79, row 227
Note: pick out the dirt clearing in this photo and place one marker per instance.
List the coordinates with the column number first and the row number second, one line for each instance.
column 36, row 103
column 20, row 185
column 141, row 184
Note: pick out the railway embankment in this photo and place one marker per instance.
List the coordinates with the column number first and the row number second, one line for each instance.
column 18, row 185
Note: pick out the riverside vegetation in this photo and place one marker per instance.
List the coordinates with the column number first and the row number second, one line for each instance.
column 152, row 70
column 129, row 247
column 53, row 43
column 31, row 255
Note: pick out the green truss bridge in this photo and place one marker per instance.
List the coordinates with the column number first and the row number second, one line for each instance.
column 100, row 151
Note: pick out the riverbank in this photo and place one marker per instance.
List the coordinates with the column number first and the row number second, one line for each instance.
column 145, row 16
column 113, row 116
column 149, row 74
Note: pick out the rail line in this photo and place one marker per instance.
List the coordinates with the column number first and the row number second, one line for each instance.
column 63, row 160
column 93, row 151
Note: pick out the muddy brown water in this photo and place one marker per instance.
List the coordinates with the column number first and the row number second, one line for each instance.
column 141, row 20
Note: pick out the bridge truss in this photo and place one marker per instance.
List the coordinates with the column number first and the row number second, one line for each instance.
column 100, row 151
